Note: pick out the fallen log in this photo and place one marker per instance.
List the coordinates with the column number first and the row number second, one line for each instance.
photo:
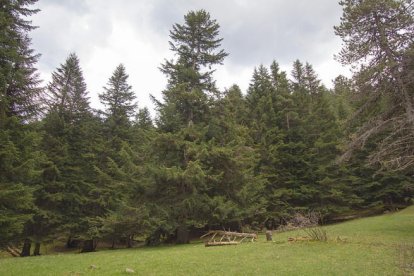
column 295, row 239
column 219, row 237
column 234, row 234
column 221, row 243
column 13, row 251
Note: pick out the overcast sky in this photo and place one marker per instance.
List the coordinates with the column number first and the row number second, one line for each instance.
column 105, row 33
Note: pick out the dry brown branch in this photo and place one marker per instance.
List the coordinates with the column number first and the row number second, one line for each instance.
column 295, row 239
column 13, row 251
column 395, row 151
column 219, row 237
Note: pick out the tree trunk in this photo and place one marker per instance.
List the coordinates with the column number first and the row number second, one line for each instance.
column 37, row 249
column 190, row 118
column 72, row 243
column 183, row 235
column 88, row 246
column 384, row 45
column 26, row 248
column 113, row 244
column 129, row 242
column 68, row 242
column 154, row 238
column 287, row 121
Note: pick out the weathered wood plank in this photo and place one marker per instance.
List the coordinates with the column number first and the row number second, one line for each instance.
column 220, row 243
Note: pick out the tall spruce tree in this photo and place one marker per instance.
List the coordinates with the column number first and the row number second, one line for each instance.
column 190, row 81
column 184, row 172
column 143, row 119
column 271, row 121
column 318, row 134
column 70, row 141
column 67, row 95
column 19, row 81
column 20, row 175
column 235, row 190
column 121, row 169
column 118, row 98
column 19, row 143
column 297, row 135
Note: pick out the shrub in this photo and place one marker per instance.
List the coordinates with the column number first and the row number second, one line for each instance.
column 317, row 234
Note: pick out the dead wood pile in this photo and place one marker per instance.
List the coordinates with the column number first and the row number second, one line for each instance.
column 219, row 237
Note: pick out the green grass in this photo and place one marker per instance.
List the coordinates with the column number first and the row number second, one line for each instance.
column 382, row 245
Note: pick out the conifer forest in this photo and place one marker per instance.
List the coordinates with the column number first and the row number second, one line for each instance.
column 210, row 158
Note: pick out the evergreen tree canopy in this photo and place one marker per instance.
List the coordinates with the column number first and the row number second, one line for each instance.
column 143, row 119
column 190, row 83
column 118, row 97
column 196, row 45
column 19, row 81
column 20, row 158
column 71, row 141
column 67, row 94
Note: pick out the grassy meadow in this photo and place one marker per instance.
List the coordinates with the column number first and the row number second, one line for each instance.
column 382, row 245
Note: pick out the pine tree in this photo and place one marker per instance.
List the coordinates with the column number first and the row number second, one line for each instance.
column 235, row 190
column 306, row 137
column 312, row 83
column 19, row 81
column 235, row 105
column 277, row 118
column 70, row 142
column 181, row 178
column 298, row 143
column 196, row 44
column 190, row 80
column 343, row 91
column 67, row 93
column 20, row 173
column 122, row 167
column 298, row 74
column 143, row 119
column 279, row 78
column 377, row 35
column 20, row 159
column 373, row 191
column 118, row 99
column 260, row 85
column 123, row 185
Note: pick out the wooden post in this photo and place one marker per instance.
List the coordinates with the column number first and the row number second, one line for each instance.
column 269, row 235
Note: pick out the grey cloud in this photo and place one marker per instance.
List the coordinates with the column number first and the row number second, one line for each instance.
column 70, row 5
column 254, row 32
column 67, row 26
column 259, row 31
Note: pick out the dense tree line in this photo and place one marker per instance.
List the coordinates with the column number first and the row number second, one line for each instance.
column 211, row 159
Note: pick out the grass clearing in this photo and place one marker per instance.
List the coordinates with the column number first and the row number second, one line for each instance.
column 382, row 245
